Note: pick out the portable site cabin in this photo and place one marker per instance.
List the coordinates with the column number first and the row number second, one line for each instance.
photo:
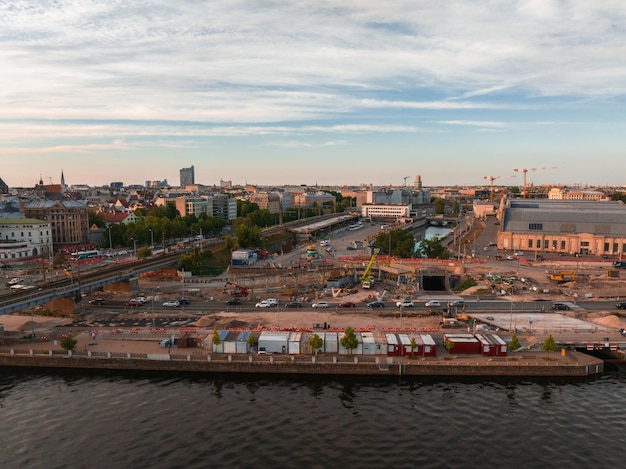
column 355, row 351
column 208, row 341
column 372, row 346
column 243, row 257
column 274, row 342
column 230, row 343
column 405, row 345
column 242, row 342
column 331, row 342
column 492, row 345
column 295, row 339
column 393, row 345
column 305, row 347
column 429, row 345
column 463, row 343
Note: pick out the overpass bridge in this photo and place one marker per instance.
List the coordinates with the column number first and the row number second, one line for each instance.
column 71, row 288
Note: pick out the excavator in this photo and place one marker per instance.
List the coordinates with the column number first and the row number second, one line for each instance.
column 366, row 280
column 563, row 276
column 237, row 290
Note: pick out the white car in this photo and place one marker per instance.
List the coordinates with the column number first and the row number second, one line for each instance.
column 321, row 304
column 272, row 301
column 405, row 304
column 519, row 253
column 171, row 304
column 262, row 304
column 433, row 304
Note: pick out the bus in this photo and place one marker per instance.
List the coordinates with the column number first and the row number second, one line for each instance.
column 80, row 255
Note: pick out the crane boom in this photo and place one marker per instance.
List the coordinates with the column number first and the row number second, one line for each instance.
column 366, row 280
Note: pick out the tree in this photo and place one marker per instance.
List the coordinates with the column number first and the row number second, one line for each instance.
column 549, row 345
column 68, row 343
column 400, row 241
column 59, row 259
column 316, row 343
column 433, row 249
column 215, row 340
column 449, row 345
column 514, row 343
column 349, row 340
column 439, row 206
column 413, row 345
column 251, row 341
column 144, row 252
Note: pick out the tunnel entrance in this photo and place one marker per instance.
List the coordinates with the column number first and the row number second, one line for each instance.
column 434, row 282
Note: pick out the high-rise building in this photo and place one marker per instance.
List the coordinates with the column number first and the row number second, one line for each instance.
column 187, row 177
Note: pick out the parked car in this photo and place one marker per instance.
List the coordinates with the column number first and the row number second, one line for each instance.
column 498, row 257
column 509, row 258
column 97, row 301
column 262, row 304
column 457, row 303
column 492, row 243
column 559, row 306
column 321, row 304
column 433, row 304
column 620, row 305
column 293, row 304
column 405, row 304
column 519, row 253
column 233, row 301
column 347, row 304
column 15, row 281
column 272, row 301
column 183, row 300
column 171, row 304
column 376, row 304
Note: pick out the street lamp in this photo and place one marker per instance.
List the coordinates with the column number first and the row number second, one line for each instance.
column 153, row 313
column 110, row 242
column 134, row 247
column 511, row 320
column 151, row 238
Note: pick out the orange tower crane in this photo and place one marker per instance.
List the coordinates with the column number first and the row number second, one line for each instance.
column 491, row 178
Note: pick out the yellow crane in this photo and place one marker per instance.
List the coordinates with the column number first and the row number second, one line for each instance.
column 366, row 280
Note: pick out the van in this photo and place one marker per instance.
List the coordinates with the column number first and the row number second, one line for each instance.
column 384, row 226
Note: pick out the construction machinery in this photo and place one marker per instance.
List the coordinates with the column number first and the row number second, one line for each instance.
column 237, row 290
column 563, row 276
column 366, row 280
column 491, row 178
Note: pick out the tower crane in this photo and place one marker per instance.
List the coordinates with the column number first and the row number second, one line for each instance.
column 491, row 178
column 524, row 171
column 405, row 178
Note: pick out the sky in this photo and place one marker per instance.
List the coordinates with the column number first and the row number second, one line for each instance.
column 313, row 92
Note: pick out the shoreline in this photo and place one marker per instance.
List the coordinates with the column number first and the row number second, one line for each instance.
column 529, row 364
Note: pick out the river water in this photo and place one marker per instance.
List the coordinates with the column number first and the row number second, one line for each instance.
column 87, row 420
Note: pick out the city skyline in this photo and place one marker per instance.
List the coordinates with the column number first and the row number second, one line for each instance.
column 303, row 93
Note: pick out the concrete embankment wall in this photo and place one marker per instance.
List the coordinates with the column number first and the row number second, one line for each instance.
column 284, row 365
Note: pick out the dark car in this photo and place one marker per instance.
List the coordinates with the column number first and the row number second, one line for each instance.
column 233, row 301
column 376, row 304
column 620, row 305
column 293, row 304
column 183, row 301
column 559, row 306
column 347, row 304
column 97, row 301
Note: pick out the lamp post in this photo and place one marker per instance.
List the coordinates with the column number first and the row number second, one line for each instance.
column 153, row 312
column 110, row 241
column 134, row 247
column 151, row 238
column 511, row 320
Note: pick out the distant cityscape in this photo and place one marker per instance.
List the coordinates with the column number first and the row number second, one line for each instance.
column 48, row 218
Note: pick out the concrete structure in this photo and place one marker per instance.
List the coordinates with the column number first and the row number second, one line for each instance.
column 560, row 226
column 69, row 220
column 25, row 237
column 266, row 201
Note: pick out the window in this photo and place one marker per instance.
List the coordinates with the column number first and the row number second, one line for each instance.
column 538, row 244
column 546, row 244
column 535, row 226
column 530, row 243
column 562, row 245
column 554, row 244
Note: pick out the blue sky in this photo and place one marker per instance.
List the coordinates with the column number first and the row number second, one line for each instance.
column 305, row 92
